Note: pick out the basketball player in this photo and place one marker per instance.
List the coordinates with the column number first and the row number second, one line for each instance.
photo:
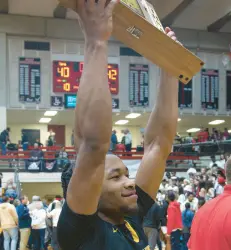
column 104, row 208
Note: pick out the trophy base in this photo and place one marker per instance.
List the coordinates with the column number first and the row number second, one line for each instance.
column 152, row 43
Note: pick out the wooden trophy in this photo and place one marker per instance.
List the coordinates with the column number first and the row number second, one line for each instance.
column 136, row 24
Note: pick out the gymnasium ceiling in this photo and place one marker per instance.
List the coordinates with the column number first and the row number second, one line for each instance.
column 210, row 15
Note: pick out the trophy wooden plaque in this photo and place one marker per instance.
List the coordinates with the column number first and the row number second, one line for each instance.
column 136, row 24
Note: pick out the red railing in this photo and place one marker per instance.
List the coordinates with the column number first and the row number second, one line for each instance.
column 50, row 153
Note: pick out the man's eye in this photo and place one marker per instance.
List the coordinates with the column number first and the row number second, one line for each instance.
column 116, row 177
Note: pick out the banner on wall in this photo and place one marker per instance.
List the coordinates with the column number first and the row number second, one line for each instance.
column 185, row 95
column 228, row 89
column 138, row 85
column 210, row 89
column 29, row 80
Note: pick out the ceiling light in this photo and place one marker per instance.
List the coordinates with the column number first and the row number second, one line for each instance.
column 133, row 115
column 50, row 113
column 179, row 119
column 44, row 120
column 216, row 122
column 121, row 122
column 193, row 130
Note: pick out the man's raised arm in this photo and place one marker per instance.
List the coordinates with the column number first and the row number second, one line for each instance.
column 159, row 133
column 93, row 115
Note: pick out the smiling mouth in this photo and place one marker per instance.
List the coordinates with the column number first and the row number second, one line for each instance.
column 129, row 194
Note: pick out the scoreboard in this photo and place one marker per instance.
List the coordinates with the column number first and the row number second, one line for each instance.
column 138, row 85
column 209, row 88
column 67, row 75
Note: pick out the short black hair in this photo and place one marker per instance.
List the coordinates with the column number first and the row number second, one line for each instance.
column 171, row 196
column 23, row 198
column 187, row 205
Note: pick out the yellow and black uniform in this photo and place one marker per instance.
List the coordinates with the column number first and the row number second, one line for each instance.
column 80, row 232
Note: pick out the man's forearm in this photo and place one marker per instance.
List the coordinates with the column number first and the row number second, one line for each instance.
column 93, row 113
column 163, row 120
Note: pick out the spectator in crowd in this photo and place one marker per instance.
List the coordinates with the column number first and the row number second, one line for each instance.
column 201, row 202
column 174, row 223
column 10, row 189
column 38, row 224
column 62, row 158
column 24, row 222
column 51, row 139
column 4, row 138
column 189, row 138
column 9, row 224
column 24, row 141
column 72, row 139
column 51, row 207
column 226, row 135
column 36, row 153
column 54, row 214
column 192, row 200
column 152, row 225
column 128, row 140
column 219, row 189
column 114, row 141
column 187, row 218
column 203, row 135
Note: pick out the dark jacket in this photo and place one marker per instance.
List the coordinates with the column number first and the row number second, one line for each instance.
column 24, row 219
column 4, row 136
column 164, row 213
column 152, row 219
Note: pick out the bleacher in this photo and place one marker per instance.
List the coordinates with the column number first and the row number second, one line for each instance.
column 183, row 155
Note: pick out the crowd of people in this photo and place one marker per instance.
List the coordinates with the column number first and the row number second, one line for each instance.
column 34, row 225
column 177, row 201
column 26, row 225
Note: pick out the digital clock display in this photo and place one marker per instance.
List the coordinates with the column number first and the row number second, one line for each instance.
column 67, row 75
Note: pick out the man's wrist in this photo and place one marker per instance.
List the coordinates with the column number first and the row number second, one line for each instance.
column 91, row 43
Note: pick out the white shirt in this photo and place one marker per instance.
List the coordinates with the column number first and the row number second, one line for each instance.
column 193, row 204
column 219, row 189
column 38, row 217
column 54, row 214
column 128, row 138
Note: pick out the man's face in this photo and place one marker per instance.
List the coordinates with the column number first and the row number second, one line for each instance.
column 118, row 193
column 203, row 171
column 25, row 201
column 196, row 182
column 190, row 197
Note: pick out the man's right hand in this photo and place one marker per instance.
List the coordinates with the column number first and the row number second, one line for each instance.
column 95, row 18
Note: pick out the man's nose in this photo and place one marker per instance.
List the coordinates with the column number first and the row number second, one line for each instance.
column 129, row 184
